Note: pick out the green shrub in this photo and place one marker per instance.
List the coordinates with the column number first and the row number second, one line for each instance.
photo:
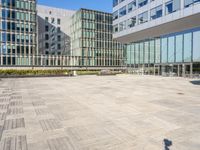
column 33, row 72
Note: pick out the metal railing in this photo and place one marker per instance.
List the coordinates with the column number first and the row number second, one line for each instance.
column 58, row 60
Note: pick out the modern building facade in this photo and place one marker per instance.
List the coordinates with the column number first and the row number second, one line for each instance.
column 54, row 30
column 162, row 36
column 92, row 39
column 17, row 31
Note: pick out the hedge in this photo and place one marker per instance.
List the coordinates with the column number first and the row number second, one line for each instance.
column 33, row 72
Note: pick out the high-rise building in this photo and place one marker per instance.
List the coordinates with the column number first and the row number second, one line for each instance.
column 18, row 31
column 162, row 35
column 54, row 30
column 92, row 39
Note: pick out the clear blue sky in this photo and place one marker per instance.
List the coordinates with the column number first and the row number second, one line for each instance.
column 102, row 5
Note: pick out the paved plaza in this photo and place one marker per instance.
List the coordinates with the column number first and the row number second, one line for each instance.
column 123, row 112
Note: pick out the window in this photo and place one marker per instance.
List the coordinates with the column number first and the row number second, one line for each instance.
column 164, row 46
column 146, row 52
column 156, row 12
column 18, row 38
column 58, row 21
column 4, row 13
column 46, row 28
column 121, row 1
column 22, row 16
column 115, row 28
column 188, row 3
column 115, row 15
column 46, row 37
column 157, row 50
column 4, row 37
column 46, row 45
column 137, row 53
column 52, row 20
column 59, row 38
column 46, row 19
column 187, row 47
column 122, row 11
column 13, row 14
column 13, row 26
column 22, row 4
column 27, row 39
column 115, row 3
column 179, row 48
column 27, row 27
column 27, row 17
column 131, row 22
column 142, row 18
column 196, row 46
column 4, row 26
column 172, row 6
column 122, row 26
column 59, row 46
column 17, row 4
column 22, row 38
column 18, row 27
column 169, row 7
column 171, row 49
column 152, row 51
column 22, row 27
column 58, row 30
column 132, row 6
column 142, row 3
column 141, row 46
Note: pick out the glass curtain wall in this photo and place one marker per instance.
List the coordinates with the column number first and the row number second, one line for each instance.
column 92, row 39
column 18, row 31
column 183, row 47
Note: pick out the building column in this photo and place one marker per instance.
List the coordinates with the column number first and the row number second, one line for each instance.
column 1, row 58
column 191, row 70
column 183, row 70
column 33, row 60
column 41, row 60
column 154, row 69
column 178, row 73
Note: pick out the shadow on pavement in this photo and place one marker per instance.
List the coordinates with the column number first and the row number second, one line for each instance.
column 167, row 143
column 196, row 82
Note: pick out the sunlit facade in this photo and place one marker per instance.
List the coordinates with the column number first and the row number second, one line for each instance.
column 162, row 37
column 54, row 30
column 92, row 39
column 18, row 31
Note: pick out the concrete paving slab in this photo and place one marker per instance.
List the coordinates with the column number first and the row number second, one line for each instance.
column 123, row 112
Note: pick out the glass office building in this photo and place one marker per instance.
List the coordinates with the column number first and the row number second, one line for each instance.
column 162, row 36
column 168, row 53
column 92, row 39
column 18, row 31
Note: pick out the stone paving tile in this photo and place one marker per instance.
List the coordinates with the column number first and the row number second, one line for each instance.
column 50, row 124
column 62, row 143
column 14, row 143
column 14, row 123
column 122, row 112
